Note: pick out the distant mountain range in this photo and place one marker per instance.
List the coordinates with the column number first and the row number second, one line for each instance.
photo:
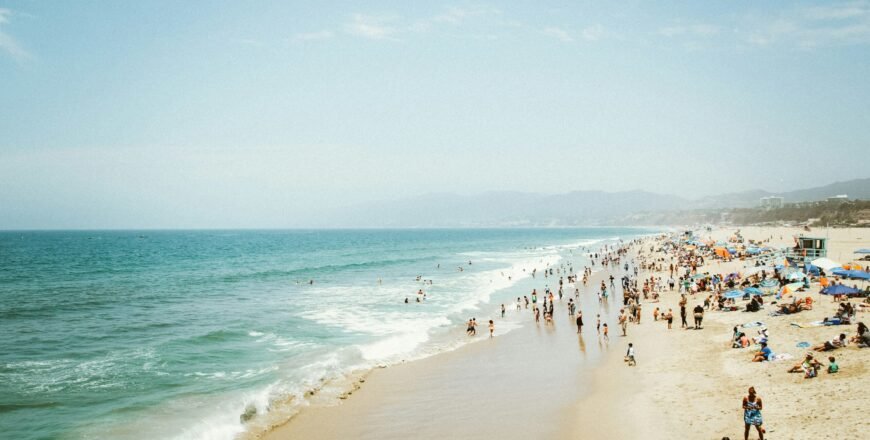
column 577, row 208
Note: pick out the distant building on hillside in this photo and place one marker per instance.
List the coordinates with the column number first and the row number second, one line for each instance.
column 771, row 202
column 839, row 198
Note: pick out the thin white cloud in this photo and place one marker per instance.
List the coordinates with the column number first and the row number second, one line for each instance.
column 593, row 33
column 813, row 27
column 838, row 11
column 559, row 34
column 696, row 30
column 373, row 27
column 456, row 16
column 314, row 36
column 8, row 44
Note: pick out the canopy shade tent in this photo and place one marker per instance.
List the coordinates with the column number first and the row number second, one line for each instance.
column 840, row 289
column 826, row 264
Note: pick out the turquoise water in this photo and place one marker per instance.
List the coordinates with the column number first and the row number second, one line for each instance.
column 174, row 334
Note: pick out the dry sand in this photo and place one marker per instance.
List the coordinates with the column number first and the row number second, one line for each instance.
column 540, row 382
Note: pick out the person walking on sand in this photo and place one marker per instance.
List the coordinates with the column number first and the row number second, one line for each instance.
column 683, row 316
column 623, row 321
column 491, row 328
column 752, row 414
column 699, row 316
column 606, row 332
column 537, row 315
column 579, row 322
column 598, row 324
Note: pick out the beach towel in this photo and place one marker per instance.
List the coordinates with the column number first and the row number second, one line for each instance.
column 753, row 324
column 780, row 357
column 803, row 344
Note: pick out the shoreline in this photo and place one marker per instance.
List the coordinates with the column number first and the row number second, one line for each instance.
column 687, row 383
column 380, row 383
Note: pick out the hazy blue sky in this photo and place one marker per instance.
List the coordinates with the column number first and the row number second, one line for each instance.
column 189, row 113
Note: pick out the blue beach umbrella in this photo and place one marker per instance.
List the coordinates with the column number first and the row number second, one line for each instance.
column 853, row 274
column 753, row 291
column 734, row 294
column 840, row 289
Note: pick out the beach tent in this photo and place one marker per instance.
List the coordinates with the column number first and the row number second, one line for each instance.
column 790, row 288
column 826, row 264
column 722, row 252
column 840, row 289
column 734, row 294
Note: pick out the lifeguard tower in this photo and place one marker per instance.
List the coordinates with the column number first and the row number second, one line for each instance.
column 807, row 249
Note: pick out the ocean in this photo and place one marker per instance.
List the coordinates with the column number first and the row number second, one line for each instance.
column 178, row 334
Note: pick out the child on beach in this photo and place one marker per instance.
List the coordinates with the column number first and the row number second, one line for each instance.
column 629, row 355
column 606, row 336
column 832, row 365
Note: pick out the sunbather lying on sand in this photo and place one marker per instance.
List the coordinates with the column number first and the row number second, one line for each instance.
column 833, row 344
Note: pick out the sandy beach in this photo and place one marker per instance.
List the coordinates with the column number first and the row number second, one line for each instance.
column 543, row 381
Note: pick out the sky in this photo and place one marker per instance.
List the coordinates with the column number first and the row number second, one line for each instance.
column 156, row 114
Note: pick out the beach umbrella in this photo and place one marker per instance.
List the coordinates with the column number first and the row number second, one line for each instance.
column 840, row 289
column 795, row 275
column 753, row 251
column 826, row 264
column 732, row 276
column 753, row 291
column 852, row 274
column 734, row 294
column 863, row 251
column 770, row 282
column 812, row 269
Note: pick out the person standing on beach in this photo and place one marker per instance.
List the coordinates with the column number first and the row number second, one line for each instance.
column 502, row 310
column 752, row 414
column 623, row 321
column 537, row 315
column 670, row 318
column 606, row 333
column 699, row 316
column 579, row 322
column 491, row 328
column 683, row 316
